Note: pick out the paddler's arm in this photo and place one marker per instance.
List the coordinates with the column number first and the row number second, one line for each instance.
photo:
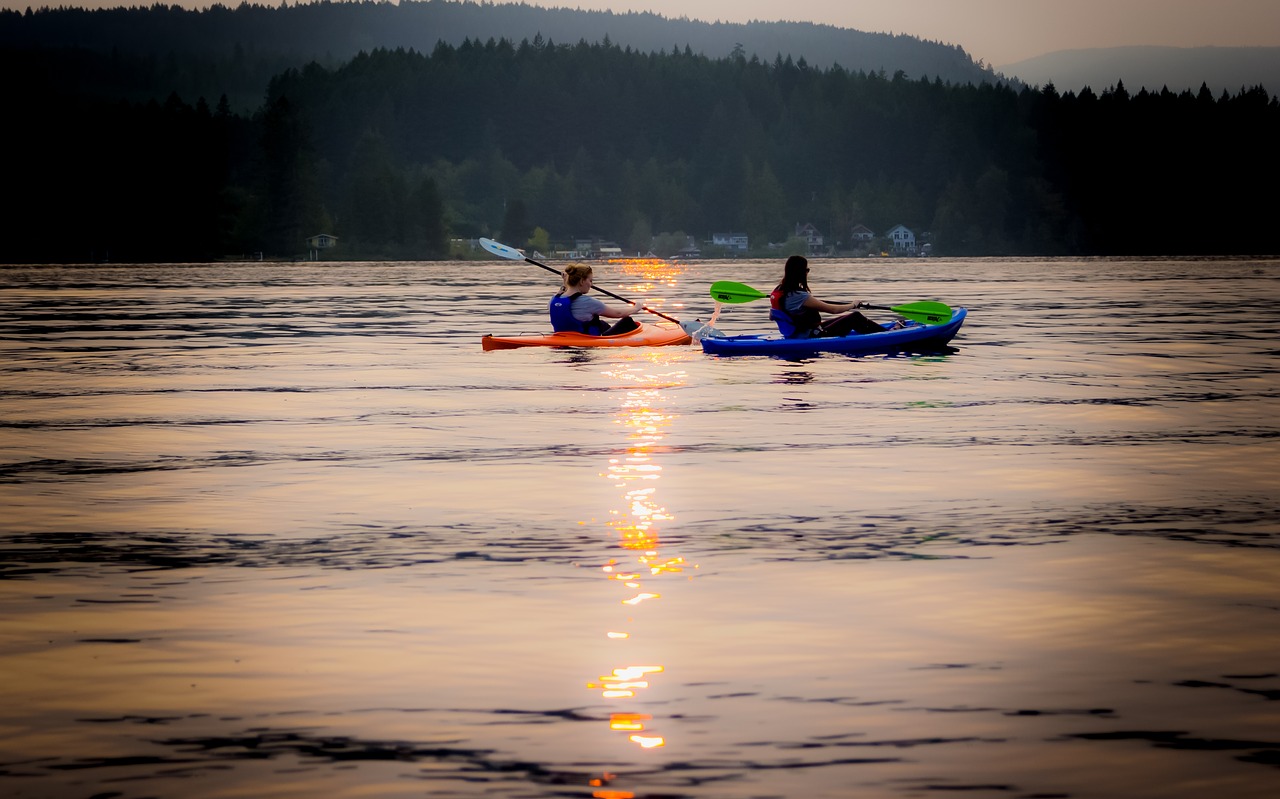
column 619, row 311
column 828, row 307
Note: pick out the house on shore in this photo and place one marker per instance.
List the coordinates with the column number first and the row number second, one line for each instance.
column 735, row 242
column 321, row 241
column 812, row 236
column 595, row 248
column 902, row 239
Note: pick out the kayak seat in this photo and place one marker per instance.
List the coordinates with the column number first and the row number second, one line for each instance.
column 785, row 326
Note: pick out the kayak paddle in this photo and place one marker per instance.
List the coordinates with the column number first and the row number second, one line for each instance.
column 925, row 311
column 503, row 251
column 728, row 291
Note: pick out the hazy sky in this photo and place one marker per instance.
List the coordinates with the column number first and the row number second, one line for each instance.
column 997, row 31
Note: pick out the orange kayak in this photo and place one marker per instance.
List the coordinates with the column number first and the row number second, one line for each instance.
column 647, row 335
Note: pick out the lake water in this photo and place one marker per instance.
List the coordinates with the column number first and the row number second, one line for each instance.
column 286, row 531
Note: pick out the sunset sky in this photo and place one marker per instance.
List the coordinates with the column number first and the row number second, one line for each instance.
column 997, row 31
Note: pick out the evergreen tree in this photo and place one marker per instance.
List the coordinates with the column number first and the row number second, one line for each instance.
column 374, row 215
column 293, row 206
column 431, row 234
column 515, row 223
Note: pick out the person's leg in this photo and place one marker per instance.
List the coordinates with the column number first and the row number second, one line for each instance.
column 852, row 322
column 623, row 325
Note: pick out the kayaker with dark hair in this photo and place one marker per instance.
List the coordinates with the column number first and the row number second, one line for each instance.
column 572, row 310
column 799, row 313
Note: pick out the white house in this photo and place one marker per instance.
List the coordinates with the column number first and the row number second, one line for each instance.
column 811, row 236
column 902, row 237
column 861, row 234
column 730, row 241
column 322, row 241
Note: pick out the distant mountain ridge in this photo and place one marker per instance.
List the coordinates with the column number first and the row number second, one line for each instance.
column 336, row 31
column 1178, row 68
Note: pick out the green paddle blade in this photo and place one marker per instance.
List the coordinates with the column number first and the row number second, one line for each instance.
column 730, row 292
column 926, row 311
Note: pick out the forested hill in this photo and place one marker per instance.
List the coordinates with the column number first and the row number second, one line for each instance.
column 396, row 151
column 241, row 45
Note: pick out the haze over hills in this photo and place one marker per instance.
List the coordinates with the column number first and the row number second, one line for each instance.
column 1177, row 68
column 336, row 31
column 266, row 39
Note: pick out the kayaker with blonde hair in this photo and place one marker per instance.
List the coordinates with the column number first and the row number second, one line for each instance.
column 572, row 310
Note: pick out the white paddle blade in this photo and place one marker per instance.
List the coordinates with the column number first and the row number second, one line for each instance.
column 501, row 250
column 698, row 330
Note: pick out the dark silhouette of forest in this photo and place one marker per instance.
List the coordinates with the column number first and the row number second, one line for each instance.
column 397, row 150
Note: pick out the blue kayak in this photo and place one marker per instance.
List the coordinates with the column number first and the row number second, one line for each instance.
column 915, row 337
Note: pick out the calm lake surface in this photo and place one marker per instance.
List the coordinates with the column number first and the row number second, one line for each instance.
column 286, row 531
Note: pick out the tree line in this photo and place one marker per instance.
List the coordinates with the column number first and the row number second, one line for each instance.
column 396, row 151
column 334, row 32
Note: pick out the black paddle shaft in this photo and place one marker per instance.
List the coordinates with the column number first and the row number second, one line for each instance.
column 605, row 292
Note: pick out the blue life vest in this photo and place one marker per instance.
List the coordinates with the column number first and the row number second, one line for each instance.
column 562, row 317
column 805, row 326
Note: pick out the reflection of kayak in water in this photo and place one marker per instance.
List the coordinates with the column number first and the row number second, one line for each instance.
column 915, row 337
column 647, row 335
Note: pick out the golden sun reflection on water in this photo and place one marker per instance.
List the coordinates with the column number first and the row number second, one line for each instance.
column 637, row 524
column 645, row 275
